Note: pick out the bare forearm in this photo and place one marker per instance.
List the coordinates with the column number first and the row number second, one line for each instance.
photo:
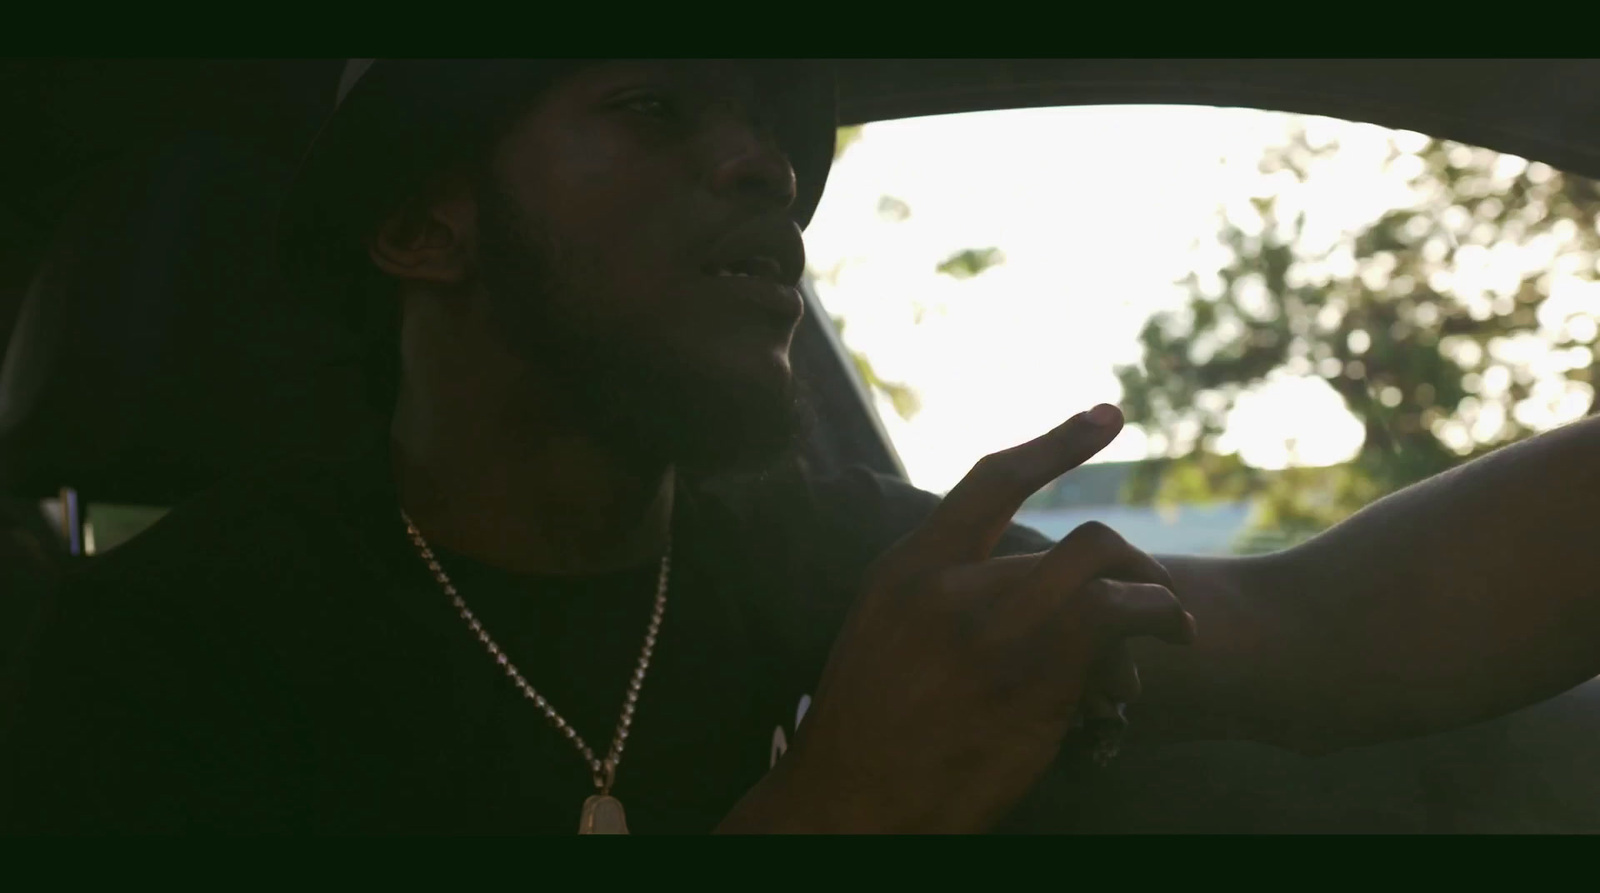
column 1466, row 596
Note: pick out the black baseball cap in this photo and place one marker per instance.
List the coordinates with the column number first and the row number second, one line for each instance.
column 398, row 121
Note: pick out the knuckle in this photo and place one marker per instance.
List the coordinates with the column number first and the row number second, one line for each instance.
column 1159, row 597
column 1003, row 469
column 1100, row 612
column 1099, row 595
column 992, row 469
column 1013, row 672
column 944, row 591
column 1095, row 528
column 890, row 586
column 1151, row 598
column 1164, row 578
column 1096, row 534
column 961, row 617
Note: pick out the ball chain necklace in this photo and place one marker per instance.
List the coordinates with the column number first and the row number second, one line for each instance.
column 602, row 813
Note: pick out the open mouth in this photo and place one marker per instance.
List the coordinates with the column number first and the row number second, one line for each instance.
column 760, row 281
column 756, row 267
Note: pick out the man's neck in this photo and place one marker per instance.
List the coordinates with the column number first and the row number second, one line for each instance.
column 555, row 503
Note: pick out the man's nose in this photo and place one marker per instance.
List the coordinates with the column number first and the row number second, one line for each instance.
column 750, row 165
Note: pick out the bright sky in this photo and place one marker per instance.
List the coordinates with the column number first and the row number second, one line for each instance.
column 1098, row 210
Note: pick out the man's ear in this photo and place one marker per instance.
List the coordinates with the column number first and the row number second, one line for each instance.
column 433, row 239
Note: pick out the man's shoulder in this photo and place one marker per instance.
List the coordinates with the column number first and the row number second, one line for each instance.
column 212, row 583
column 256, row 525
column 196, row 628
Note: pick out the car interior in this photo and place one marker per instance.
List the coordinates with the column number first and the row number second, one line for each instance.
column 149, row 352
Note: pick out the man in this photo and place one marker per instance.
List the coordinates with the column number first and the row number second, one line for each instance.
column 582, row 506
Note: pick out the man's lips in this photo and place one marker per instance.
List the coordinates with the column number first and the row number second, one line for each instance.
column 767, row 247
column 760, row 262
column 757, row 266
column 773, row 297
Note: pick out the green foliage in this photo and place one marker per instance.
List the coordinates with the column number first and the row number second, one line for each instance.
column 901, row 396
column 891, row 208
column 1429, row 352
column 969, row 263
column 845, row 138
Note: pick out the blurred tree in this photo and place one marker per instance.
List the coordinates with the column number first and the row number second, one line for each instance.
column 845, row 138
column 900, row 395
column 969, row 263
column 893, row 209
column 960, row 265
column 1433, row 323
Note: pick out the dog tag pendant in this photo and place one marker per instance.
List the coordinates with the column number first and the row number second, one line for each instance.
column 602, row 814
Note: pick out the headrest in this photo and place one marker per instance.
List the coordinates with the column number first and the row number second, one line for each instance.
column 154, row 353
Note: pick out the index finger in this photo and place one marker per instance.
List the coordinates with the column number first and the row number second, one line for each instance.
column 975, row 514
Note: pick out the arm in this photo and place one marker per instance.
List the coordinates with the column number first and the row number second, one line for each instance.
column 1468, row 595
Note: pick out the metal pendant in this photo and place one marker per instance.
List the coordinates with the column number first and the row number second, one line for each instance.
column 602, row 814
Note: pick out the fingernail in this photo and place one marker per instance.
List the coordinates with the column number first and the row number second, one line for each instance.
column 1104, row 414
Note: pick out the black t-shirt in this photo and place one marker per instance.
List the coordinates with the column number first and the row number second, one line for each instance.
column 275, row 657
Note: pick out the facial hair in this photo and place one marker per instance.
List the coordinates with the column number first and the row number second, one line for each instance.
column 648, row 400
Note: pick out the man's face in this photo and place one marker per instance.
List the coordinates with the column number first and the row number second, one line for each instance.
column 636, row 248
